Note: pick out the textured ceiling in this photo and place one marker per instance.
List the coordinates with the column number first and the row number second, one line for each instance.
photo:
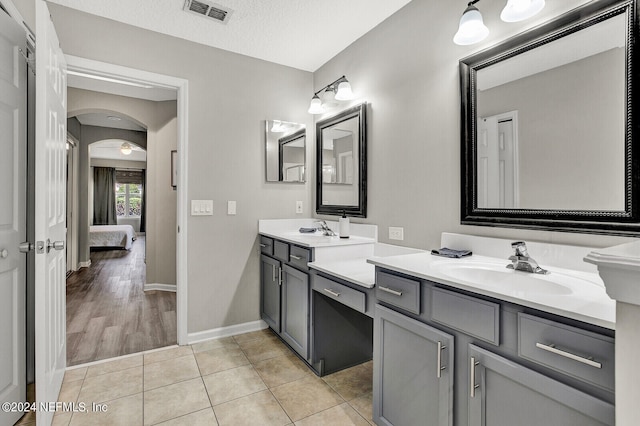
column 303, row 34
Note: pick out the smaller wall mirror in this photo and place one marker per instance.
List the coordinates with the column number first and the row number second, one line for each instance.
column 285, row 151
column 341, row 171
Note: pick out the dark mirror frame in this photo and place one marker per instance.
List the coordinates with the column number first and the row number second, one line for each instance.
column 625, row 222
column 359, row 111
column 281, row 143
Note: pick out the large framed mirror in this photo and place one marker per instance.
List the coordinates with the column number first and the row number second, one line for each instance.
column 548, row 125
column 285, row 148
column 341, row 163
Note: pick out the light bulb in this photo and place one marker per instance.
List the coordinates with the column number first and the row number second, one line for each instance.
column 471, row 29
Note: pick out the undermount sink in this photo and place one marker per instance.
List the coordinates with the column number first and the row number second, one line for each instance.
column 498, row 276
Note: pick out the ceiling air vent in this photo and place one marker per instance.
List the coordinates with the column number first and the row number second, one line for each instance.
column 208, row 10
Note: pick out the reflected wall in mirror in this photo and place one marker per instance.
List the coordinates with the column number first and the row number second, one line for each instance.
column 547, row 126
column 341, row 163
column 285, row 151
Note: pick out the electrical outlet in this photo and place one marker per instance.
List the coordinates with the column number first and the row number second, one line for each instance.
column 231, row 207
column 396, row 233
column 298, row 207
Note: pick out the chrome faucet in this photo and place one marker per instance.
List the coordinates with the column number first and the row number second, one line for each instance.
column 521, row 261
column 325, row 228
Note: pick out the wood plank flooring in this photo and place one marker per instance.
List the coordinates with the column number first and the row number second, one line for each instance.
column 109, row 314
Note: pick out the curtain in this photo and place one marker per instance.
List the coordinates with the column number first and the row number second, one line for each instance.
column 104, row 196
column 143, row 206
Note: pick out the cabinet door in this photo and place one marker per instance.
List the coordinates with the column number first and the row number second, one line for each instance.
column 413, row 372
column 503, row 393
column 270, row 292
column 295, row 309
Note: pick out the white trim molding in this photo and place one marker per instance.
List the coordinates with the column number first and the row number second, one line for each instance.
column 231, row 330
column 104, row 69
column 84, row 264
column 160, row 287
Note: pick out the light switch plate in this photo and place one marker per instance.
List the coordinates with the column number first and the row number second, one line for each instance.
column 299, row 207
column 201, row 207
column 396, row 233
column 231, row 207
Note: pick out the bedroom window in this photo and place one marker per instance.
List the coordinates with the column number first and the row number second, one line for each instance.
column 128, row 199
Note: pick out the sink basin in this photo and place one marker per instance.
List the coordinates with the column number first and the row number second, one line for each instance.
column 497, row 276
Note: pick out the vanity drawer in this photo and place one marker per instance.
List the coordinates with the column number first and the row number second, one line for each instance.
column 346, row 295
column 579, row 353
column 281, row 250
column 475, row 317
column 266, row 245
column 398, row 291
column 299, row 257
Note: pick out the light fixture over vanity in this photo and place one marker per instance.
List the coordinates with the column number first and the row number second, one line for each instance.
column 472, row 30
column 339, row 90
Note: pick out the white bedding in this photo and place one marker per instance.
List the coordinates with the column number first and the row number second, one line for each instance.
column 111, row 236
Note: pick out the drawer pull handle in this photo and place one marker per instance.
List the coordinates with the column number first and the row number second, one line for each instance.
column 292, row 256
column 472, row 375
column 439, row 366
column 263, row 245
column 390, row 290
column 331, row 292
column 552, row 348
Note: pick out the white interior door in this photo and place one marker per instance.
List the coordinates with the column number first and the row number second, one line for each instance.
column 497, row 162
column 13, row 161
column 50, row 215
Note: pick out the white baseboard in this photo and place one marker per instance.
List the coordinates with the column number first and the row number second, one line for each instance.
column 160, row 287
column 85, row 264
column 231, row 330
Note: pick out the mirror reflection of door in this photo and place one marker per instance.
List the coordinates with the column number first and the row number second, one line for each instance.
column 285, row 151
column 497, row 161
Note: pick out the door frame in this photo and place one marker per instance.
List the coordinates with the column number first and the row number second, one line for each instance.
column 90, row 66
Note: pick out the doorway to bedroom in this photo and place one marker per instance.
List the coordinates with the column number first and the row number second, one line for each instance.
column 122, row 299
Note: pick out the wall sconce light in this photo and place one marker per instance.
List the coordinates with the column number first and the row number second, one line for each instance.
column 472, row 30
column 339, row 90
column 125, row 148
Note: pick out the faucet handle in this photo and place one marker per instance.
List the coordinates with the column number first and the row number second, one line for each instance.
column 517, row 244
column 520, row 248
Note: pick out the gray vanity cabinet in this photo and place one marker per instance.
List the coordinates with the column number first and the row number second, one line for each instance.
column 295, row 309
column 504, row 393
column 413, row 372
column 270, row 275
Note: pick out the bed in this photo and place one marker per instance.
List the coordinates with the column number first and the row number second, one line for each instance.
column 112, row 236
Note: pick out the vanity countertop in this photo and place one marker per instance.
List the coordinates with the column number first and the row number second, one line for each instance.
column 317, row 239
column 584, row 299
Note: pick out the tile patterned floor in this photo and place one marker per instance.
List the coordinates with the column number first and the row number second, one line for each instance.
column 248, row 379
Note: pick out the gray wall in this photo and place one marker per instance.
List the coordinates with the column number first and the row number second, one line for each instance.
column 230, row 96
column 159, row 140
column 407, row 69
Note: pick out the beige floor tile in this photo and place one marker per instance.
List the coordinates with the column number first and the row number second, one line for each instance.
column 125, row 411
column 260, row 334
column 111, row 385
column 261, row 349
column 223, row 342
column 61, row 419
column 231, row 384
column 305, row 397
column 256, row 409
column 220, row 359
column 351, row 382
column 175, row 400
column 113, row 366
column 199, row 418
column 342, row 415
column 75, row 374
column 69, row 391
column 170, row 371
column 364, row 406
column 166, row 354
column 280, row 370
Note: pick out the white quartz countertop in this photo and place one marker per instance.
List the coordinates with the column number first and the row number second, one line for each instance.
column 356, row 271
column 586, row 301
column 317, row 239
